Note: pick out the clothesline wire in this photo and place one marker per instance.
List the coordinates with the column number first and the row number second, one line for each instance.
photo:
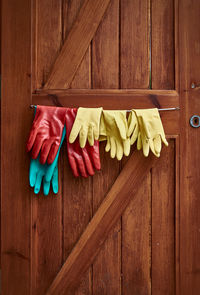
column 32, row 106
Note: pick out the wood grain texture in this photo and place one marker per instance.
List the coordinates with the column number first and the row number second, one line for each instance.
column 48, row 31
column 76, row 44
column 82, row 78
column 105, row 74
column 189, row 50
column 15, row 193
column 163, row 223
column 77, row 196
column 107, row 265
column 134, row 48
column 163, row 52
column 136, row 242
column 98, row 229
column 105, row 50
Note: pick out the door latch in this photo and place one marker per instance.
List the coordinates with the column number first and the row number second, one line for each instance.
column 195, row 121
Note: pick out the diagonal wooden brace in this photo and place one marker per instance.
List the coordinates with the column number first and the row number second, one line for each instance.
column 117, row 199
column 76, row 44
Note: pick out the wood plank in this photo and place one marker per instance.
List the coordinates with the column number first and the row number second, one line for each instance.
column 48, row 37
column 105, row 50
column 78, row 41
column 163, row 223
column 46, row 211
column 105, row 74
column 77, row 210
column 107, row 265
column 189, row 48
column 98, row 229
column 15, row 193
column 163, row 54
column 134, row 49
column 170, row 119
column 136, row 241
column 82, row 78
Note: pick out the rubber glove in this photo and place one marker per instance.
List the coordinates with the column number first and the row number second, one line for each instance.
column 83, row 161
column 151, row 132
column 86, row 126
column 114, row 128
column 46, row 132
column 48, row 174
column 133, row 127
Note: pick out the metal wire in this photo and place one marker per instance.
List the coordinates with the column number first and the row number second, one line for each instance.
column 32, row 106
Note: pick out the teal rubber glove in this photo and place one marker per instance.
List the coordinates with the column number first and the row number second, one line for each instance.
column 48, row 174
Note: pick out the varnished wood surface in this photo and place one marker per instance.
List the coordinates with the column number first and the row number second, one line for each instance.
column 15, row 192
column 99, row 227
column 76, row 44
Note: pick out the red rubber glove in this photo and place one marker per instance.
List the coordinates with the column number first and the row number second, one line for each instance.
column 83, row 161
column 46, row 133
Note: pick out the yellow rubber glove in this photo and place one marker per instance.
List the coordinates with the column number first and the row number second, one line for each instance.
column 86, row 125
column 114, row 128
column 151, row 132
column 133, row 127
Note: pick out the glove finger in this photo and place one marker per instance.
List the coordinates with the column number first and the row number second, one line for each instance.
column 75, row 131
column 38, row 182
column 88, row 162
column 134, row 135
column 107, row 148
column 45, row 151
column 96, row 133
column 81, row 166
column 91, row 135
column 32, row 173
column 31, row 139
column 83, row 137
column 95, row 156
column 55, row 180
column 119, row 151
column 52, row 153
column 145, row 144
column 139, row 142
column 37, row 146
column 127, row 147
column 164, row 140
column 46, row 187
column 73, row 165
column 131, row 123
column 113, row 148
column 157, row 144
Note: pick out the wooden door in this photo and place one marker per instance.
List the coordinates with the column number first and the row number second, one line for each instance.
column 133, row 228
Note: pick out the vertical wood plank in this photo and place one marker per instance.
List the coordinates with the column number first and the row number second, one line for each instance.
column 163, row 223
column 134, row 48
column 105, row 74
column 163, row 55
column 46, row 211
column 82, row 79
column 76, row 208
column 105, row 50
column 189, row 49
column 107, row 265
column 48, row 37
column 16, row 97
column 136, row 242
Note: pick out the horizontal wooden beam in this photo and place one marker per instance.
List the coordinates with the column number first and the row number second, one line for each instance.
column 122, row 100
column 119, row 196
column 76, row 44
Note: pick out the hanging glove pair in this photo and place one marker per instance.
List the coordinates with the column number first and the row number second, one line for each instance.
column 48, row 130
column 145, row 126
